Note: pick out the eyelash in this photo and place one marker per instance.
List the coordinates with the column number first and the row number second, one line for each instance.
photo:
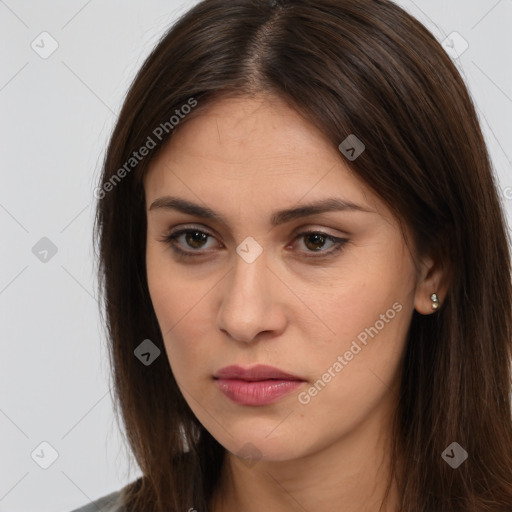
column 170, row 239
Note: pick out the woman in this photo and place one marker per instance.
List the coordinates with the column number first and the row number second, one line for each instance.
column 305, row 269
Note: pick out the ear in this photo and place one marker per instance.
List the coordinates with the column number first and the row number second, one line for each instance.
column 432, row 278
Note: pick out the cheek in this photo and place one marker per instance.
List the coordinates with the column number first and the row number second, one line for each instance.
column 177, row 302
column 369, row 311
column 357, row 304
column 366, row 347
column 355, row 381
column 173, row 289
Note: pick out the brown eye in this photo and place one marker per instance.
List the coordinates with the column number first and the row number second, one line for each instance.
column 314, row 241
column 195, row 239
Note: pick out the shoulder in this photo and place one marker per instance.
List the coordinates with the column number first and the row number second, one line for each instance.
column 112, row 502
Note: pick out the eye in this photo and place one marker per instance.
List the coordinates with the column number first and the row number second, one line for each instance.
column 197, row 239
column 194, row 238
column 315, row 241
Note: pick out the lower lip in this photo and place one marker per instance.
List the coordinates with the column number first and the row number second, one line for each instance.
column 261, row 392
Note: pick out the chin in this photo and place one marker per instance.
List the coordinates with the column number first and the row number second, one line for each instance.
column 253, row 445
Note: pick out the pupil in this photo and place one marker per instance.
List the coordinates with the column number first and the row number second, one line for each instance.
column 319, row 239
column 196, row 236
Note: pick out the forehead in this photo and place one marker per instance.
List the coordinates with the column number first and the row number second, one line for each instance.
column 257, row 148
column 248, row 131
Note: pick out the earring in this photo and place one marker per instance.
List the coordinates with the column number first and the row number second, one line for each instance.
column 435, row 301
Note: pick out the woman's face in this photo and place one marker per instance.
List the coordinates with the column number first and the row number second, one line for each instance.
column 251, row 288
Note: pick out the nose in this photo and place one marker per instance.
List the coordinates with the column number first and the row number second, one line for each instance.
column 251, row 302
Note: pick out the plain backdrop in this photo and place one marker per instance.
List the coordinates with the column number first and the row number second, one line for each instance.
column 56, row 113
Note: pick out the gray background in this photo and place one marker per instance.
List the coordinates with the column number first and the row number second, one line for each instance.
column 56, row 115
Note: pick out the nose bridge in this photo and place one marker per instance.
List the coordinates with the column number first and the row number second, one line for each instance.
column 248, row 283
column 247, row 297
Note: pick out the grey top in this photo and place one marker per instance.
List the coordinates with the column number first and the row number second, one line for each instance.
column 108, row 503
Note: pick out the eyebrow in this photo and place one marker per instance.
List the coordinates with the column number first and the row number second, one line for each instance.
column 331, row 204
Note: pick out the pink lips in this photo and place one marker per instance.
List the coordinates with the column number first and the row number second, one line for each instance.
column 258, row 385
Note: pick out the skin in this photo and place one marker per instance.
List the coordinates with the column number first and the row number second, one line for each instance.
column 245, row 158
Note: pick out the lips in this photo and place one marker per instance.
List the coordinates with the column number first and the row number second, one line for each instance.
column 258, row 372
column 256, row 386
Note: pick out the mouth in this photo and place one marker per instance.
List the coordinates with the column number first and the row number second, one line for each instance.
column 256, row 386
column 255, row 373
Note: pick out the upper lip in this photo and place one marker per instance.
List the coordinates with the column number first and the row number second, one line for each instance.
column 254, row 373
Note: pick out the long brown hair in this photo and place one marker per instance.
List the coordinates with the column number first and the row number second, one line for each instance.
column 362, row 67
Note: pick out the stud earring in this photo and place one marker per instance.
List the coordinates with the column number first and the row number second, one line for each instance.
column 435, row 301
